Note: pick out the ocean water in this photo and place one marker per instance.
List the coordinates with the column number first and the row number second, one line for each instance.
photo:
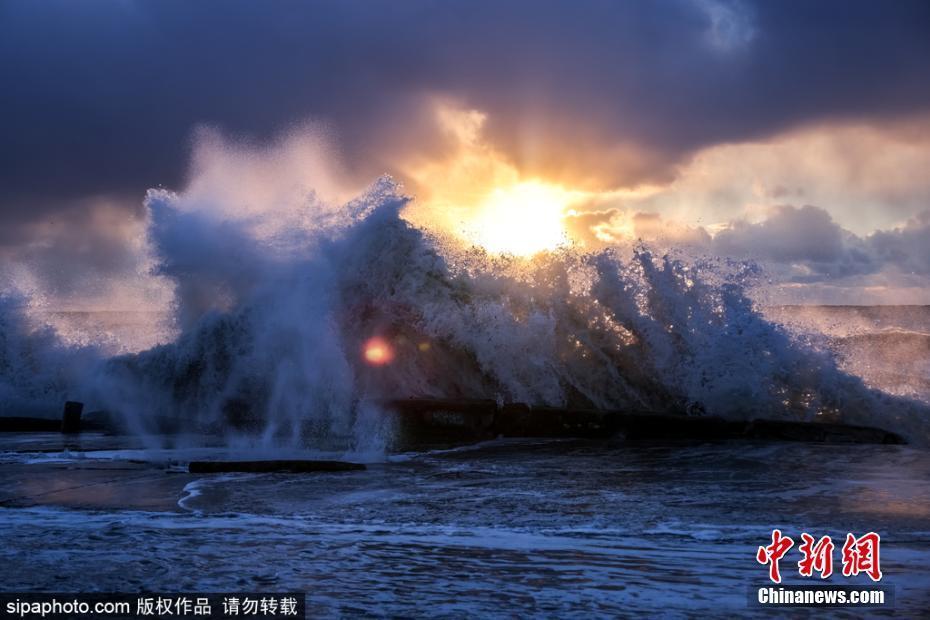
column 264, row 355
column 888, row 346
column 503, row 529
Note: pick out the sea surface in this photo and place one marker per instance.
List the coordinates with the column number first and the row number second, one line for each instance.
column 506, row 528
column 502, row 529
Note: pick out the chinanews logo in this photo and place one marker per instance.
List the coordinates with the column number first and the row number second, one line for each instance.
column 859, row 555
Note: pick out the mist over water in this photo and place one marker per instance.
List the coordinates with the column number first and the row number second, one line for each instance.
column 277, row 289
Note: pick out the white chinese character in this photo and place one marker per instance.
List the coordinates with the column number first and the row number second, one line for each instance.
column 163, row 607
column 271, row 605
column 203, row 607
column 145, row 607
column 288, row 606
column 231, row 606
column 183, row 606
column 250, row 606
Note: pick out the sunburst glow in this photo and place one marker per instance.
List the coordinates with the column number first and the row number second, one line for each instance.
column 522, row 219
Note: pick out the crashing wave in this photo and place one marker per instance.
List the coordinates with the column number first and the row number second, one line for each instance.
column 275, row 319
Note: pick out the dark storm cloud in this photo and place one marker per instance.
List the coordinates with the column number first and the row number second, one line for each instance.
column 101, row 97
column 99, row 101
column 807, row 237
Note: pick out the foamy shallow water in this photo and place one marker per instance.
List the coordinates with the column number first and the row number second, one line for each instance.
column 507, row 528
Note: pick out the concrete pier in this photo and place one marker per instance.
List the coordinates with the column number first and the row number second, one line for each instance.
column 457, row 420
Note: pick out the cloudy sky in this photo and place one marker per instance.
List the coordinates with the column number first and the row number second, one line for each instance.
column 796, row 133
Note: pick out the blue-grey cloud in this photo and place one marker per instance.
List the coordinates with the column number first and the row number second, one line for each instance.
column 806, row 245
column 101, row 97
column 789, row 234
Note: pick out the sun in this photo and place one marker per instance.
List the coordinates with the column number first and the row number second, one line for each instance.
column 522, row 219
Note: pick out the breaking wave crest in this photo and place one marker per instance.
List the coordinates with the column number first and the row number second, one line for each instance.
column 275, row 312
column 37, row 371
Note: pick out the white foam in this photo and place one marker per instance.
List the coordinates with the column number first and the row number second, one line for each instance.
column 275, row 312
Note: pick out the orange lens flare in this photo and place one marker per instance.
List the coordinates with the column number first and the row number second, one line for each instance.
column 378, row 352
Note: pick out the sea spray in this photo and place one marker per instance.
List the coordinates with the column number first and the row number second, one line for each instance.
column 282, row 358
column 275, row 318
column 37, row 371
